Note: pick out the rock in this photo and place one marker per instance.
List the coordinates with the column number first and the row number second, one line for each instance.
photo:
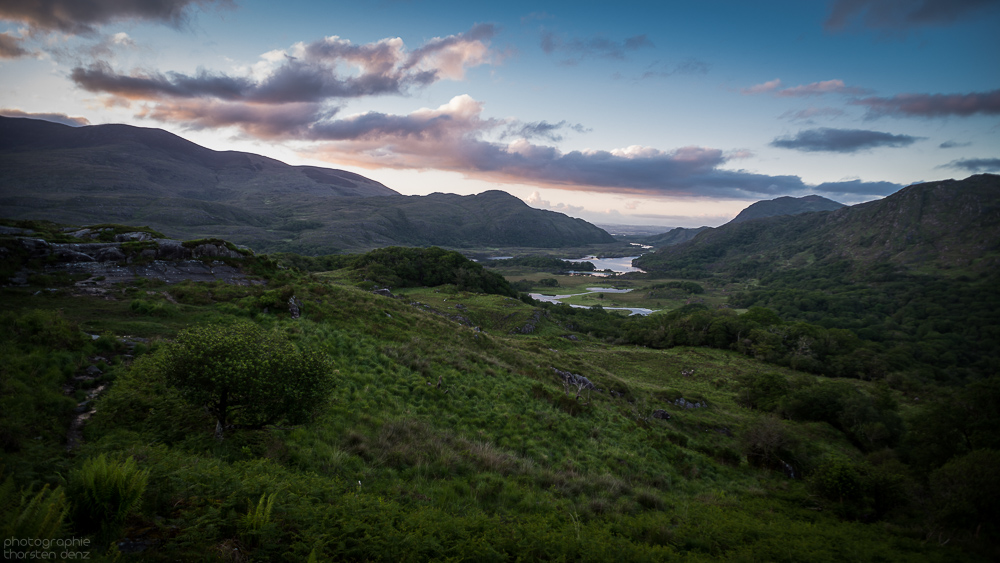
column 134, row 236
column 171, row 250
column 69, row 255
column 575, row 379
column 294, row 306
column 661, row 414
column 93, row 371
column 384, row 292
column 109, row 254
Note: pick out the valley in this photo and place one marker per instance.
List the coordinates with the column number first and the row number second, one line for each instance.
column 467, row 420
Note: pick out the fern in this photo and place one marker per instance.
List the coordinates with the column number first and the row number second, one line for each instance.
column 256, row 522
column 25, row 514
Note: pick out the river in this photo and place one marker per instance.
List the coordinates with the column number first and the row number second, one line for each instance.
column 558, row 299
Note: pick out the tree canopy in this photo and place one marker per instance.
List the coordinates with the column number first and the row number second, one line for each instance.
column 246, row 376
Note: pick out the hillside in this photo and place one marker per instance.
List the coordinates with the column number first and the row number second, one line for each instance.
column 446, row 424
column 786, row 206
column 933, row 226
column 125, row 174
column 674, row 236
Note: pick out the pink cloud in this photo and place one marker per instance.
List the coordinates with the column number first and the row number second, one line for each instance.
column 813, row 89
column 768, row 86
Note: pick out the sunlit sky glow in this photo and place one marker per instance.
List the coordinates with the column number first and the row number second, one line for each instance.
column 665, row 113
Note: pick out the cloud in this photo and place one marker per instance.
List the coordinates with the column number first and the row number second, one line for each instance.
column 452, row 138
column 821, row 88
column 841, row 140
column 540, row 130
column 804, row 90
column 932, row 105
column 535, row 200
column 689, row 66
column 82, row 17
column 328, row 69
column 595, row 46
column 953, row 145
column 769, row 86
column 809, row 113
column 10, row 46
column 975, row 165
column 902, row 14
column 54, row 117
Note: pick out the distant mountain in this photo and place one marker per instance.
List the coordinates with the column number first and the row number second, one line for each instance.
column 786, row 206
column 676, row 235
column 934, row 226
column 139, row 176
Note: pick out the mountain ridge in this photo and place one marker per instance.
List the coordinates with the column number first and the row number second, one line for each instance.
column 940, row 225
column 124, row 174
column 786, row 205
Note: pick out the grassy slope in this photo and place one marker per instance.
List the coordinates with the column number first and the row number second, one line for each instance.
column 496, row 464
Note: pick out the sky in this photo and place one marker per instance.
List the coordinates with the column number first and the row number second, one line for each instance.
column 664, row 113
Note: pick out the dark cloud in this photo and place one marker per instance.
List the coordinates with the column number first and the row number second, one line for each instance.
column 975, row 165
column 310, row 74
column 902, row 14
column 540, row 130
column 451, row 138
column 82, row 17
column 10, row 47
column 841, row 140
column 933, row 105
column 953, row 145
column 597, row 46
column 54, row 117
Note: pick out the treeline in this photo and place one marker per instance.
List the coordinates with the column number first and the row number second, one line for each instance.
column 547, row 263
column 397, row 266
column 938, row 328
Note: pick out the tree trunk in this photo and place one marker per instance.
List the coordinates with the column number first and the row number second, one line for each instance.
column 220, row 423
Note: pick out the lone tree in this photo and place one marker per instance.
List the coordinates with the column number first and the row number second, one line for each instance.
column 245, row 376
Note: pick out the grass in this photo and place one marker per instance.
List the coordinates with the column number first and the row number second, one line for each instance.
column 441, row 441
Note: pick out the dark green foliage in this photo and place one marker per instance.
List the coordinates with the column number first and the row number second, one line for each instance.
column 547, row 263
column 686, row 286
column 104, row 492
column 245, row 375
column 27, row 514
column 762, row 391
column 967, row 492
column 954, row 424
column 767, row 444
column 323, row 263
column 415, row 267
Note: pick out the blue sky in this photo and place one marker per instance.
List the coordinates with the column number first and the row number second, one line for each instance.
column 665, row 113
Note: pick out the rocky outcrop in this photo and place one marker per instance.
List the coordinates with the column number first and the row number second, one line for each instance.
column 135, row 255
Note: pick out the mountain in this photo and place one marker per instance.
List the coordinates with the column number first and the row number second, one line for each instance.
column 932, row 226
column 141, row 176
column 676, row 235
column 786, row 206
